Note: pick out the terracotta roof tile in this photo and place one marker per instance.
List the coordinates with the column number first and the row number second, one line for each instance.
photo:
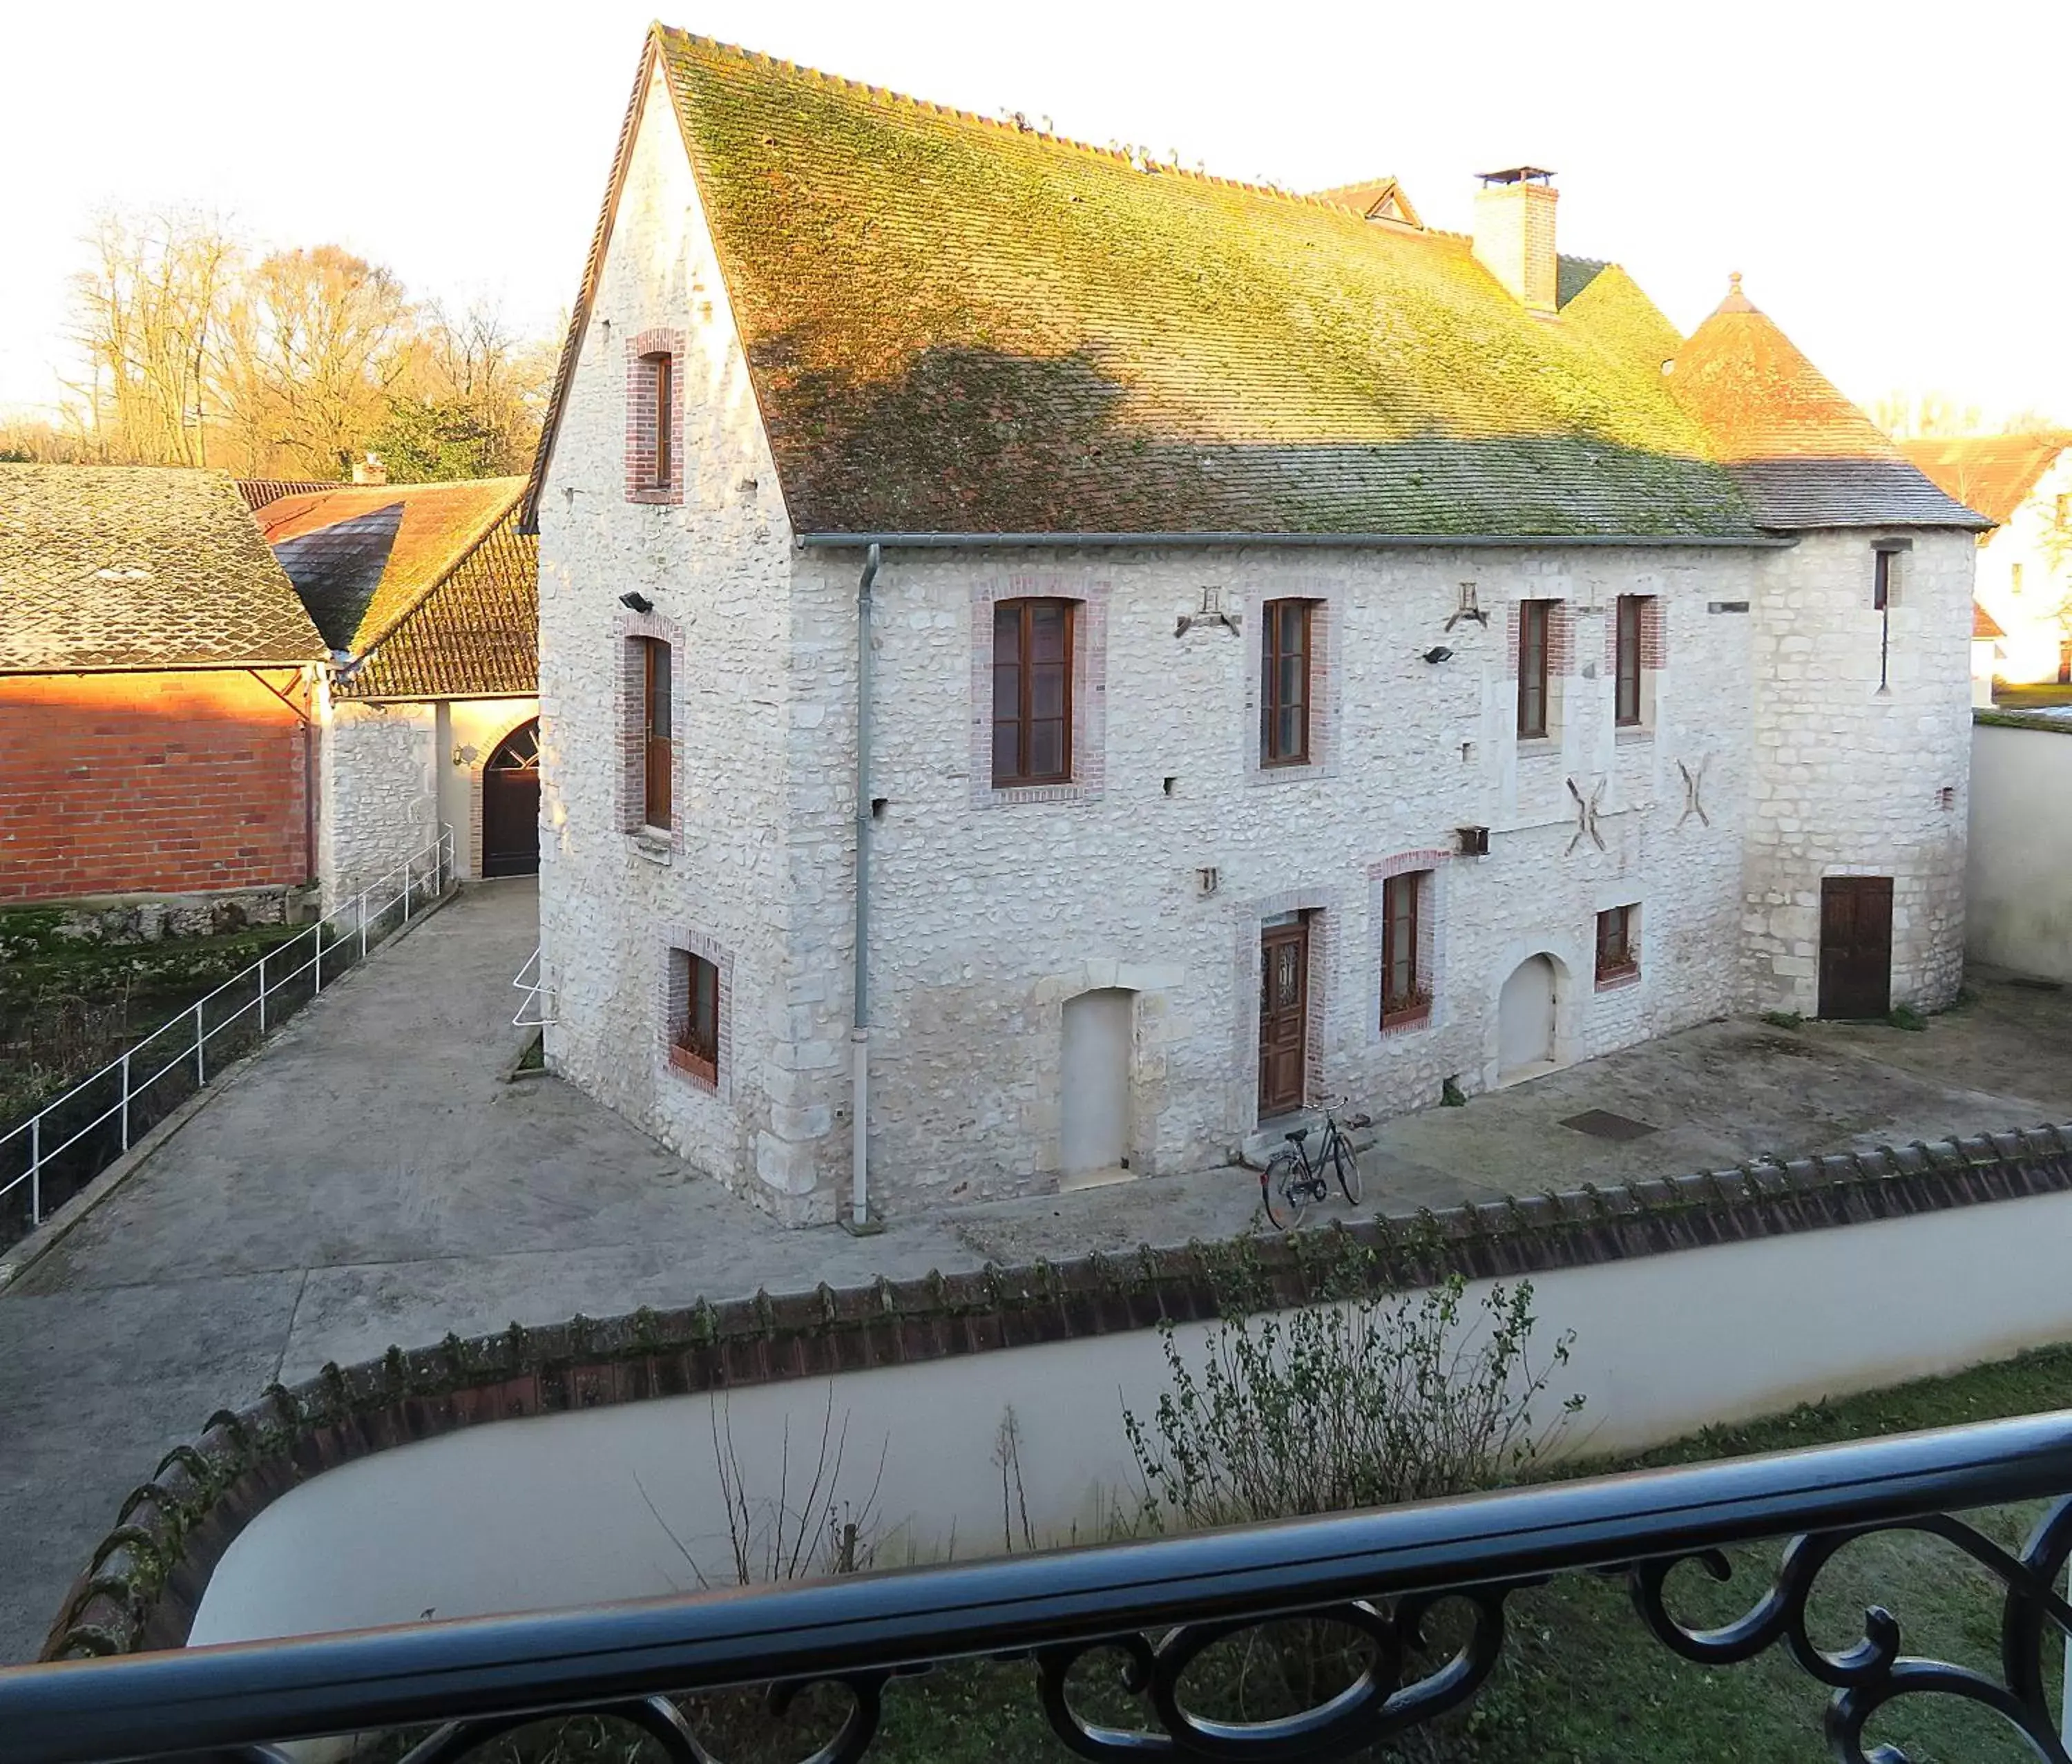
column 361, row 556
column 476, row 635
column 956, row 324
column 134, row 567
column 1993, row 473
column 1802, row 453
column 1984, row 624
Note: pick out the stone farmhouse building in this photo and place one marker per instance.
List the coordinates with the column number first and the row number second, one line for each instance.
column 1049, row 660
column 2024, row 483
column 425, row 595
column 159, row 681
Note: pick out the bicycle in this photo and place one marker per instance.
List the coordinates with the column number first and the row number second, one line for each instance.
column 1291, row 1182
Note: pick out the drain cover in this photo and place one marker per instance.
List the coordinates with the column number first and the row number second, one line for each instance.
column 1601, row 1124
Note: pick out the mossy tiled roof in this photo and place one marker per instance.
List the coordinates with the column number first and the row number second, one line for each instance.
column 474, row 635
column 955, row 325
column 138, row 567
column 362, row 556
column 1802, row 453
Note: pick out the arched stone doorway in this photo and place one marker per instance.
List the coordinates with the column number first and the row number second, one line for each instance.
column 1525, row 1021
column 511, row 805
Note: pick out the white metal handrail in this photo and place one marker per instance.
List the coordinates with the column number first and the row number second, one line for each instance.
column 433, row 864
column 537, row 1011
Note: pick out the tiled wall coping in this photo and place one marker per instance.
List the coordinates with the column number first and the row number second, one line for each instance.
column 145, row 1580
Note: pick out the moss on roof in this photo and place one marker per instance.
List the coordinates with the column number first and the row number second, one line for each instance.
column 362, row 556
column 474, row 635
column 138, row 567
column 956, row 325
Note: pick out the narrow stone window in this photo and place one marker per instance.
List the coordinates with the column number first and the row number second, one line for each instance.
column 1406, row 989
column 694, row 1015
column 658, row 753
column 1534, row 621
column 1032, row 692
column 1284, row 682
column 1632, row 611
column 1618, row 945
column 654, row 417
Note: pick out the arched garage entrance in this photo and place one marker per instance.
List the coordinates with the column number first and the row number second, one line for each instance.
column 511, row 805
column 1525, row 1020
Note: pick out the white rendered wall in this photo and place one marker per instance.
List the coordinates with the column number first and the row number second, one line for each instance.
column 1850, row 780
column 554, row 1510
column 2018, row 882
column 378, row 792
column 468, row 732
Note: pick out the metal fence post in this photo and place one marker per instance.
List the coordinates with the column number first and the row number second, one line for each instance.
column 406, row 891
column 201, row 1060
column 362, row 899
column 125, row 1098
column 262, row 995
column 318, row 986
column 36, row 1169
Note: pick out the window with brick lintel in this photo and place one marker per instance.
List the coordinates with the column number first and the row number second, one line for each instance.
column 658, row 760
column 1032, row 692
column 1406, row 988
column 694, row 1015
column 1284, row 682
column 1535, row 632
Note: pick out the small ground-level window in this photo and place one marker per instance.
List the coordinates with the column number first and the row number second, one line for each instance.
column 694, row 1007
column 1618, row 943
column 1406, row 989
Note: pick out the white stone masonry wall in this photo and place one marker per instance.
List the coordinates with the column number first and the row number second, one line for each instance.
column 1852, row 778
column 378, row 800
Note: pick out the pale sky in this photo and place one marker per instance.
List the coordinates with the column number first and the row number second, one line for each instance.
column 1891, row 178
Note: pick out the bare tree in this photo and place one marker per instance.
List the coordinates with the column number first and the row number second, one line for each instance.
column 470, row 403
column 316, row 342
column 146, row 314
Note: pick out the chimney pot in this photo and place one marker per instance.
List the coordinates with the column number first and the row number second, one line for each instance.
column 370, row 470
column 1514, row 234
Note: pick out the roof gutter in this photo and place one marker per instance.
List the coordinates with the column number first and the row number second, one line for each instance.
column 944, row 541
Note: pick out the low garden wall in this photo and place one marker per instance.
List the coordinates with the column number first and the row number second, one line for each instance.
column 381, row 1493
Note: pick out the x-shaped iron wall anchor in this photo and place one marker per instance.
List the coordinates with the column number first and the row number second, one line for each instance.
column 1586, row 816
column 1693, row 783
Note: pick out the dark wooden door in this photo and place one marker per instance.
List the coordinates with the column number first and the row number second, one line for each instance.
column 1855, row 946
column 1284, row 1014
column 511, row 805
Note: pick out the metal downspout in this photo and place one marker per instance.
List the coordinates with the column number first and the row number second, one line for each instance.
column 859, row 1035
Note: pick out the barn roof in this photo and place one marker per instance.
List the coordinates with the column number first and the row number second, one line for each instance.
column 137, row 567
column 1993, row 473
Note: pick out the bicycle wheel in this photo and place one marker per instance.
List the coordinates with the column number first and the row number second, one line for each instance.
column 1283, row 1187
column 1345, row 1163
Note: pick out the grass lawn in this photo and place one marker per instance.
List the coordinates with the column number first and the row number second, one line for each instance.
column 1581, row 1681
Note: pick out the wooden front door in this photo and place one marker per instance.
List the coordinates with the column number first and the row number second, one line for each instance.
column 511, row 805
column 1284, row 1015
column 1855, row 946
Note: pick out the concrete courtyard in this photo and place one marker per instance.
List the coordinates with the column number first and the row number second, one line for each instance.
column 370, row 1179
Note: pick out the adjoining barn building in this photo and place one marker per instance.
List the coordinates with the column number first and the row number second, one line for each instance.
column 1301, row 652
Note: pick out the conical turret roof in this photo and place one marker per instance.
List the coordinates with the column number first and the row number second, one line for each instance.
column 1801, row 453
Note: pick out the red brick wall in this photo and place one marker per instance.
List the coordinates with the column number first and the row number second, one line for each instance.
column 115, row 783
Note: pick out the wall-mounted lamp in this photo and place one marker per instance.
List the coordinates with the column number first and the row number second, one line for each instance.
column 463, row 756
column 1441, row 653
column 637, row 601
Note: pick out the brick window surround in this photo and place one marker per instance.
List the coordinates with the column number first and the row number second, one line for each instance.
column 1089, row 693
column 672, row 1006
column 1428, row 866
column 646, row 422
column 1326, row 602
column 632, row 805
column 1617, row 961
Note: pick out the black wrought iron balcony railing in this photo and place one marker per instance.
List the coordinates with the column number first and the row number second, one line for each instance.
column 1381, row 1575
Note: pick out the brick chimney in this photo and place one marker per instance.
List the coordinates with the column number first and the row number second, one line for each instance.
column 1514, row 234
column 370, row 470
